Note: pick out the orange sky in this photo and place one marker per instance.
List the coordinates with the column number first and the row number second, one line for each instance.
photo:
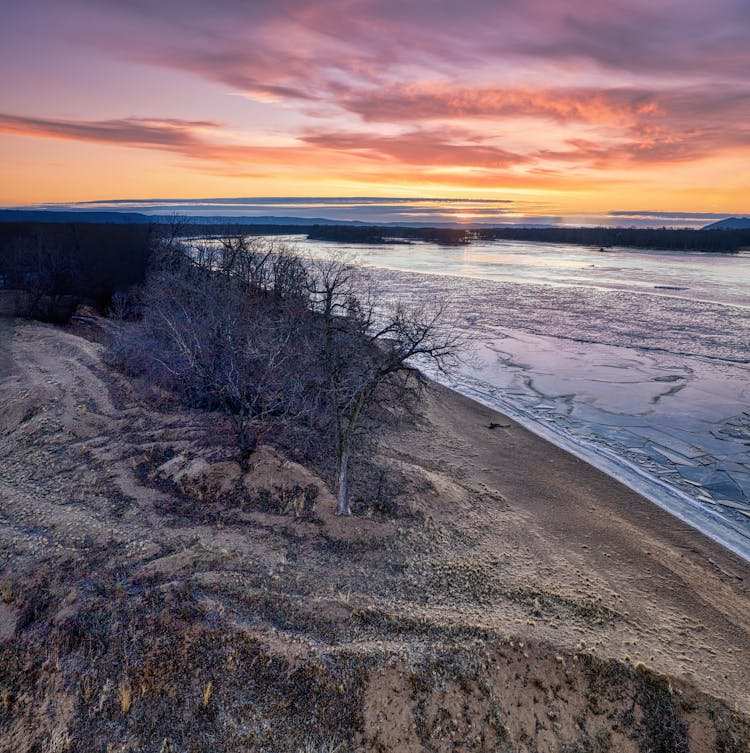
column 556, row 108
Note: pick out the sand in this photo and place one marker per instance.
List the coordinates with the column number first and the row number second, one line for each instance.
column 484, row 613
column 567, row 528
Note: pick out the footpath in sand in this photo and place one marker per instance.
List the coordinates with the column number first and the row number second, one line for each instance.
column 522, row 600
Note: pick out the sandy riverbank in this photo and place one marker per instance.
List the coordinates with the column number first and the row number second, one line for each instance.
column 573, row 529
column 528, row 600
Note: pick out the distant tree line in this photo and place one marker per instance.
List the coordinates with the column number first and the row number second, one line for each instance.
column 54, row 267
column 722, row 239
column 657, row 238
column 669, row 239
column 370, row 234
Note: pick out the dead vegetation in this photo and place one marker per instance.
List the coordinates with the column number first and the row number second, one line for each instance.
column 160, row 668
column 293, row 351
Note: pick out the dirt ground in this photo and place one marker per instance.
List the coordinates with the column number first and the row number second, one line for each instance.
column 521, row 600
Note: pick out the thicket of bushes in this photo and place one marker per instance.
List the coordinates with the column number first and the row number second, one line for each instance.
column 285, row 347
column 55, row 267
column 670, row 239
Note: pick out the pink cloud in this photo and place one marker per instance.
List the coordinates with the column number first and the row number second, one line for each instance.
column 198, row 140
column 645, row 137
column 195, row 140
column 178, row 135
column 419, row 148
column 443, row 101
column 634, row 82
column 302, row 46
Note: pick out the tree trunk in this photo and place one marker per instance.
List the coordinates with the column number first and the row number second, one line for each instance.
column 342, row 497
column 343, row 444
column 246, row 440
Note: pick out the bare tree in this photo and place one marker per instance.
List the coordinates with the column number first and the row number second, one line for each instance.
column 45, row 271
column 168, row 245
column 368, row 351
column 257, row 265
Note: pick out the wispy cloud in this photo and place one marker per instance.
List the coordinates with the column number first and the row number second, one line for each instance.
column 367, row 209
column 195, row 139
column 178, row 135
column 689, row 216
column 440, row 101
column 419, row 147
column 394, row 210
column 239, row 42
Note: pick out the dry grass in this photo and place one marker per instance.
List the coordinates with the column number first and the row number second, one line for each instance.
column 86, row 689
column 125, row 696
column 311, row 746
column 207, row 693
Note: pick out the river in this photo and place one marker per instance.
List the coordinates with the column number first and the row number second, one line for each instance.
column 637, row 361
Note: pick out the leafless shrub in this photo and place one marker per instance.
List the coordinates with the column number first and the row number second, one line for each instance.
column 126, row 305
column 281, row 499
column 220, row 348
column 45, row 272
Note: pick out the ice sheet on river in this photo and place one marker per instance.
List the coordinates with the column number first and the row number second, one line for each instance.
column 662, row 384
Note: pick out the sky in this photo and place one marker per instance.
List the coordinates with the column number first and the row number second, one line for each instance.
column 637, row 111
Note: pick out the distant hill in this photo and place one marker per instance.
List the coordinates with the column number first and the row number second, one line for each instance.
column 731, row 223
column 42, row 215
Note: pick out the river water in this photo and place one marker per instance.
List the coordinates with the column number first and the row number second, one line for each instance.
column 637, row 361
